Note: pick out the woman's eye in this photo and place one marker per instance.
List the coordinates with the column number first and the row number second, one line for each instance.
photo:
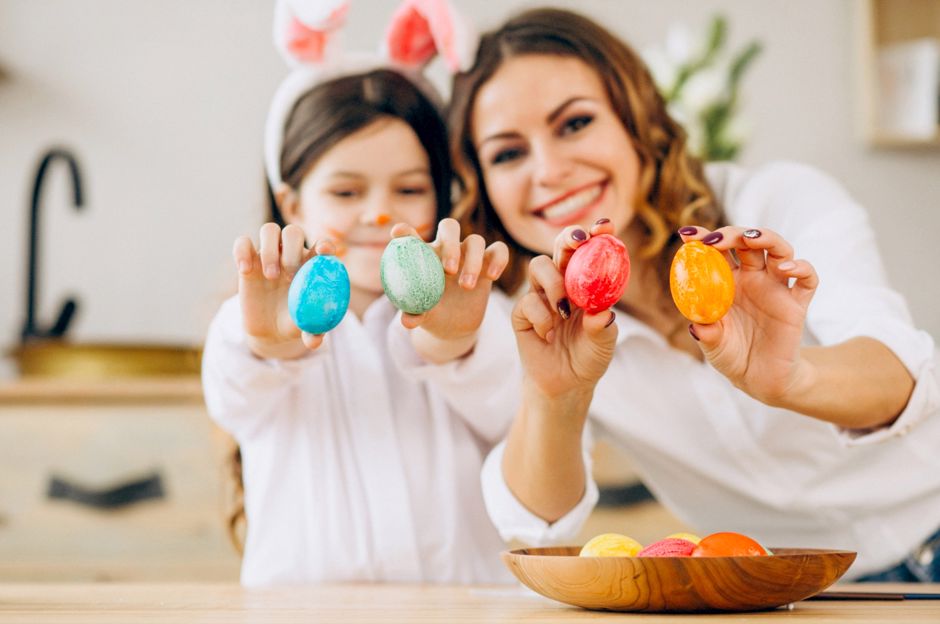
column 506, row 155
column 576, row 123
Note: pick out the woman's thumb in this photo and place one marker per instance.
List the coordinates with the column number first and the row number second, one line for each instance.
column 601, row 328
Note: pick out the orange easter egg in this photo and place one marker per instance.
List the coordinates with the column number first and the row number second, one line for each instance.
column 701, row 283
column 728, row 544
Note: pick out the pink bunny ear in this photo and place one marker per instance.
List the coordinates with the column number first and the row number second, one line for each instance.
column 303, row 28
column 421, row 28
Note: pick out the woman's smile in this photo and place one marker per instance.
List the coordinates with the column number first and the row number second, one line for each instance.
column 573, row 206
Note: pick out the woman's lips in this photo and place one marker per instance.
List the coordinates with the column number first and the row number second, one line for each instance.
column 574, row 207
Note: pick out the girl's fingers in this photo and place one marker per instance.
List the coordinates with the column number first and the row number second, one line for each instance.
column 244, row 254
column 410, row 321
column 270, row 250
column 546, row 281
column 531, row 313
column 292, row 248
column 448, row 241
column 403, row 229
column 472, row 252
column 495, row 260
column 312, row 341
column 566, row 242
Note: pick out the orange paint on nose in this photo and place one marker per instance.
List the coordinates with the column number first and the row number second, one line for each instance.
column 383, row 219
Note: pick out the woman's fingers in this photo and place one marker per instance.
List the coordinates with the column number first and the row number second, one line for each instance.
column 805, row 279
column 566, row 242
column 546, row 281
column 532, row 313
column 602, row 226
column 756, row 248
column 270, row 250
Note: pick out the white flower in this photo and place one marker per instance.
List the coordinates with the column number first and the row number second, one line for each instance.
column 681, row 46
column 704, row 89
column 663, row 71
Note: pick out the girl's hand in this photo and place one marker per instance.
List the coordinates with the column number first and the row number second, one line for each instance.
column 562, row 350
column 264, row 277
column 470, row 268
column 757, row 344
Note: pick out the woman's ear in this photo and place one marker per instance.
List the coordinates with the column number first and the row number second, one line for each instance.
column 288, row 202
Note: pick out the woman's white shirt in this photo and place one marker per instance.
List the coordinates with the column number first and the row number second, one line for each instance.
column 353, row 470
column 722, row 461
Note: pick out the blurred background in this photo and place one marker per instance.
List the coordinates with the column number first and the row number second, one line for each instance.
column 157, row 108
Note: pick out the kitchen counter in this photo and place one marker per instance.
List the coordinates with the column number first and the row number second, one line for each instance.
column 105, row 602
column 168, row 389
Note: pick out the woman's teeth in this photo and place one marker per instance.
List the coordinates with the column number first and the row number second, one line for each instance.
column 572, row 204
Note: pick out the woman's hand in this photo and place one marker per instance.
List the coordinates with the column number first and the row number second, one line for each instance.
column 449, row 329
column 264, row 277
column 757, row 344
column 562, row 349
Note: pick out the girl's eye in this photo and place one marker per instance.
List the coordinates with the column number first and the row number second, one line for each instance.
column 506, row 155
column 576, row 123
column 344, row 193
column 413, row 190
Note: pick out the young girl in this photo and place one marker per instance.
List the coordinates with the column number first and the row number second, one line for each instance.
column 801, row 425
column 355, row 470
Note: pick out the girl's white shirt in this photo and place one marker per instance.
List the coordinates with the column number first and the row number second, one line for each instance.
column 354, row 471
column 722, row 461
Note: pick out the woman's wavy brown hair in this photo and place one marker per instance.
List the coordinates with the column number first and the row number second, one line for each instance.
column 672, row 186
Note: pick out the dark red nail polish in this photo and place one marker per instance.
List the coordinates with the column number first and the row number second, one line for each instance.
column 564, row 308
column 602, row 221
column 611, row 319
column 579, row 235
column 713, row 238
column 692, row 331
column 688, row 230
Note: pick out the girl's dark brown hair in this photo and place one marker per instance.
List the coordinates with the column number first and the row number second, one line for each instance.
column 672, row 188
column 321, row 118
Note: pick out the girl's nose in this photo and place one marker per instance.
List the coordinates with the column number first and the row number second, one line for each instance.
column 552, row 166
column 375, row 218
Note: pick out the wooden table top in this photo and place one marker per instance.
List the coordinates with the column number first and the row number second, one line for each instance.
column 352, row 604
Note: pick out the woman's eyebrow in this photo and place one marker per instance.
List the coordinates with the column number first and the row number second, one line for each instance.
column 550, row 118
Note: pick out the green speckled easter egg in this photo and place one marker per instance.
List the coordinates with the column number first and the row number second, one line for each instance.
column 412, row 275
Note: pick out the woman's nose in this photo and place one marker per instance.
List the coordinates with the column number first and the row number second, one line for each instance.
column 552, row 166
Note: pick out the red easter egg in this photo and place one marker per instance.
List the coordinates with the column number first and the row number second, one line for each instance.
column 597, row 273
column 669, row 547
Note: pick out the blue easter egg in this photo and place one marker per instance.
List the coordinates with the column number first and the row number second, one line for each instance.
column 412, row 275
column 319, row 295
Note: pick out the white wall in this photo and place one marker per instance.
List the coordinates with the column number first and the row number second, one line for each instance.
column 164, row 104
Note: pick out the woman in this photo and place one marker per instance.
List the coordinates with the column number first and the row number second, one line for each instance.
column 764, row 422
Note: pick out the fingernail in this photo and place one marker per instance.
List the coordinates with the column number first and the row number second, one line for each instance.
column 789, row 265
column 751, row 234
column 610, row 320
column 244, row 266
column 550, row 335
column 713, row 238
column 493, row 273
column 271, row 271
column 688, row 230
column 602, row 221
column 579, row 235
column 451, row 265
column 468, row 280
column 692, row 331
column 564, row 308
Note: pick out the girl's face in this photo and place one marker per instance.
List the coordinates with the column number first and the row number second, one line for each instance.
column 374, row 178
column 552, row 150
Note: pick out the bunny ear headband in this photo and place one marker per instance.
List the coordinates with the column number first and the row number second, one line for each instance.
column 306, row 33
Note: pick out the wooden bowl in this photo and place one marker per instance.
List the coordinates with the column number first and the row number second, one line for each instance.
column 677, row 584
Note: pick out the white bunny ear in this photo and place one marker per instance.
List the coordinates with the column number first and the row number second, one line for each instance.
column 420, row 28
column 303, row 29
